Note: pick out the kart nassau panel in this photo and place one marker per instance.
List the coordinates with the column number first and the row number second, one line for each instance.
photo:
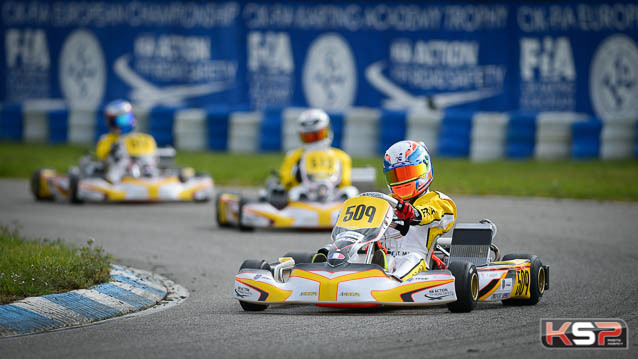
column 168, row 188
column 311, row 215
column 352, row 284
column 294, row 215
column 505, row 280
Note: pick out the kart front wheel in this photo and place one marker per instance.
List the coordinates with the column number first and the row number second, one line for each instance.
column 538, row 279
column 242, row 226
column 219, row 211
column 466, row 285
column 253, row 264
column 74, row 184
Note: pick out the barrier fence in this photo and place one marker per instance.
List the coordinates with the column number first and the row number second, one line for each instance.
column 480, row 136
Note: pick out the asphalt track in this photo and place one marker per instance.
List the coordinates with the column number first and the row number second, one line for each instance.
column 592, row 248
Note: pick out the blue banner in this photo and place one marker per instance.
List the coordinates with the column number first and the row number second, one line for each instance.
column 489, row 56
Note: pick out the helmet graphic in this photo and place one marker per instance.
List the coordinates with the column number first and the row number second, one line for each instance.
column 119, row 116
column 408, row 169
column 314, row 127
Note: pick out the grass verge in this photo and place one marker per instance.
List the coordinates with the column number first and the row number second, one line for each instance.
column 599, row 180
column 37, row 267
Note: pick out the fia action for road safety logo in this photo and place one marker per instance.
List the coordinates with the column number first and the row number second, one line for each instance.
column 584, row 333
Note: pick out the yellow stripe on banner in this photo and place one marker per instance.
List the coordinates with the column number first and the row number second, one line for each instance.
column 325, row 214
column 328, row 287
column 394, row 295
column 275, row 295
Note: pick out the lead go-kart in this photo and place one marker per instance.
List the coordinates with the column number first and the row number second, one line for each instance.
column 463, row 270
column 147, row 178
column 314, row 204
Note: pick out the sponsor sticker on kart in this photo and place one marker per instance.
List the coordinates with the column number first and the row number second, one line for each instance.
column 336, row 255
column 584, row 333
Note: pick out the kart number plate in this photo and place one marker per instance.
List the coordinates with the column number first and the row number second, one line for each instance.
column 362, row 212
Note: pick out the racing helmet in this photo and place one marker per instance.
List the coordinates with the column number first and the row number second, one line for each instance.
column 408, row 169
column 314, row 127
column 119, row 116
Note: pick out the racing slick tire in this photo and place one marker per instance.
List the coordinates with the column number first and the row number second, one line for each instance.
column 538, row 279
column 301, row 257
column 466, row 285
column 74, row 183
column 241, row 225
column 253, row 264
column 218, row 217
column 36, row 183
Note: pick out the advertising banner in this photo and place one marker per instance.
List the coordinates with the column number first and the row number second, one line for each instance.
column 488, row 56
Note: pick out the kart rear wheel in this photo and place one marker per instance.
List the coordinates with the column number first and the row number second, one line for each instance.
column 242, row 226
column 300, row 257
column 253, row 264
column 466, row 285
column 538, row 279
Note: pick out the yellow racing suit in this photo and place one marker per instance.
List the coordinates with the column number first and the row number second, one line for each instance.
column 289, row 168
column 115, row 151
column 412, row 251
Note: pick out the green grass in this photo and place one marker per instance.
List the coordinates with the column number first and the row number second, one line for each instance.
column 38, row 267
column 600, row 180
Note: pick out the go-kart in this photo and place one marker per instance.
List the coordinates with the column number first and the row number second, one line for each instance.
column 314, row 204
column 352, row 272
column 148, row 178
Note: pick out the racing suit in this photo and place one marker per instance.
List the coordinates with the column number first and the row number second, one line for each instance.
column 411, row 254
column 115, row 152
column 290, row 175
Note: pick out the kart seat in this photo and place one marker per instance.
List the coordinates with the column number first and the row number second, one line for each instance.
column 471, row 243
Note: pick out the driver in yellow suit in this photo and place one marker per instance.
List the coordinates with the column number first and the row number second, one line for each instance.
column 316, row 135
column 115, row 148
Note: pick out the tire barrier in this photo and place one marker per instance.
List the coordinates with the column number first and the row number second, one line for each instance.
column 479, row 136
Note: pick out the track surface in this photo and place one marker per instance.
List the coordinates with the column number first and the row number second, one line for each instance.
column 592, row 248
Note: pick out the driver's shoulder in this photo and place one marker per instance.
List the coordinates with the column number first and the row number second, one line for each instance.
column 431, row 196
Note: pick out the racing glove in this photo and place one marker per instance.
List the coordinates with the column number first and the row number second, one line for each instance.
column 406, row 212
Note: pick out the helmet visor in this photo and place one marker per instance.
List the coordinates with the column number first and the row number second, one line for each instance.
column 308, row 137
column 125, row 120
column 405, row 174
column 405, row 190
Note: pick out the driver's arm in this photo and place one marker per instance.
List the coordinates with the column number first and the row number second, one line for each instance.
column 104, row 145
column 436, row 211
column 286, row 171
column 346, row 167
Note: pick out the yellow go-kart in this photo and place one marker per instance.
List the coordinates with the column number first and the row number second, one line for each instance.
column 149, row 176
column 351, row 272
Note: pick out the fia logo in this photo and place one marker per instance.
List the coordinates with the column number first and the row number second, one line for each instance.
column 329, row 75
column 613, row 80
column 82, row 71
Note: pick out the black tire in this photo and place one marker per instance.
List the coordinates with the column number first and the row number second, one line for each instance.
column 242, row 227
column 300, row 257
column 74, row 183
column 466, row 285
column 253, row 264
column 218, row 212
column 35, row 186
column 537, row 279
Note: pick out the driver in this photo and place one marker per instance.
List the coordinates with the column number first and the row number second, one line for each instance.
column 315, row 134
column 408, row 171
column 116, row 148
